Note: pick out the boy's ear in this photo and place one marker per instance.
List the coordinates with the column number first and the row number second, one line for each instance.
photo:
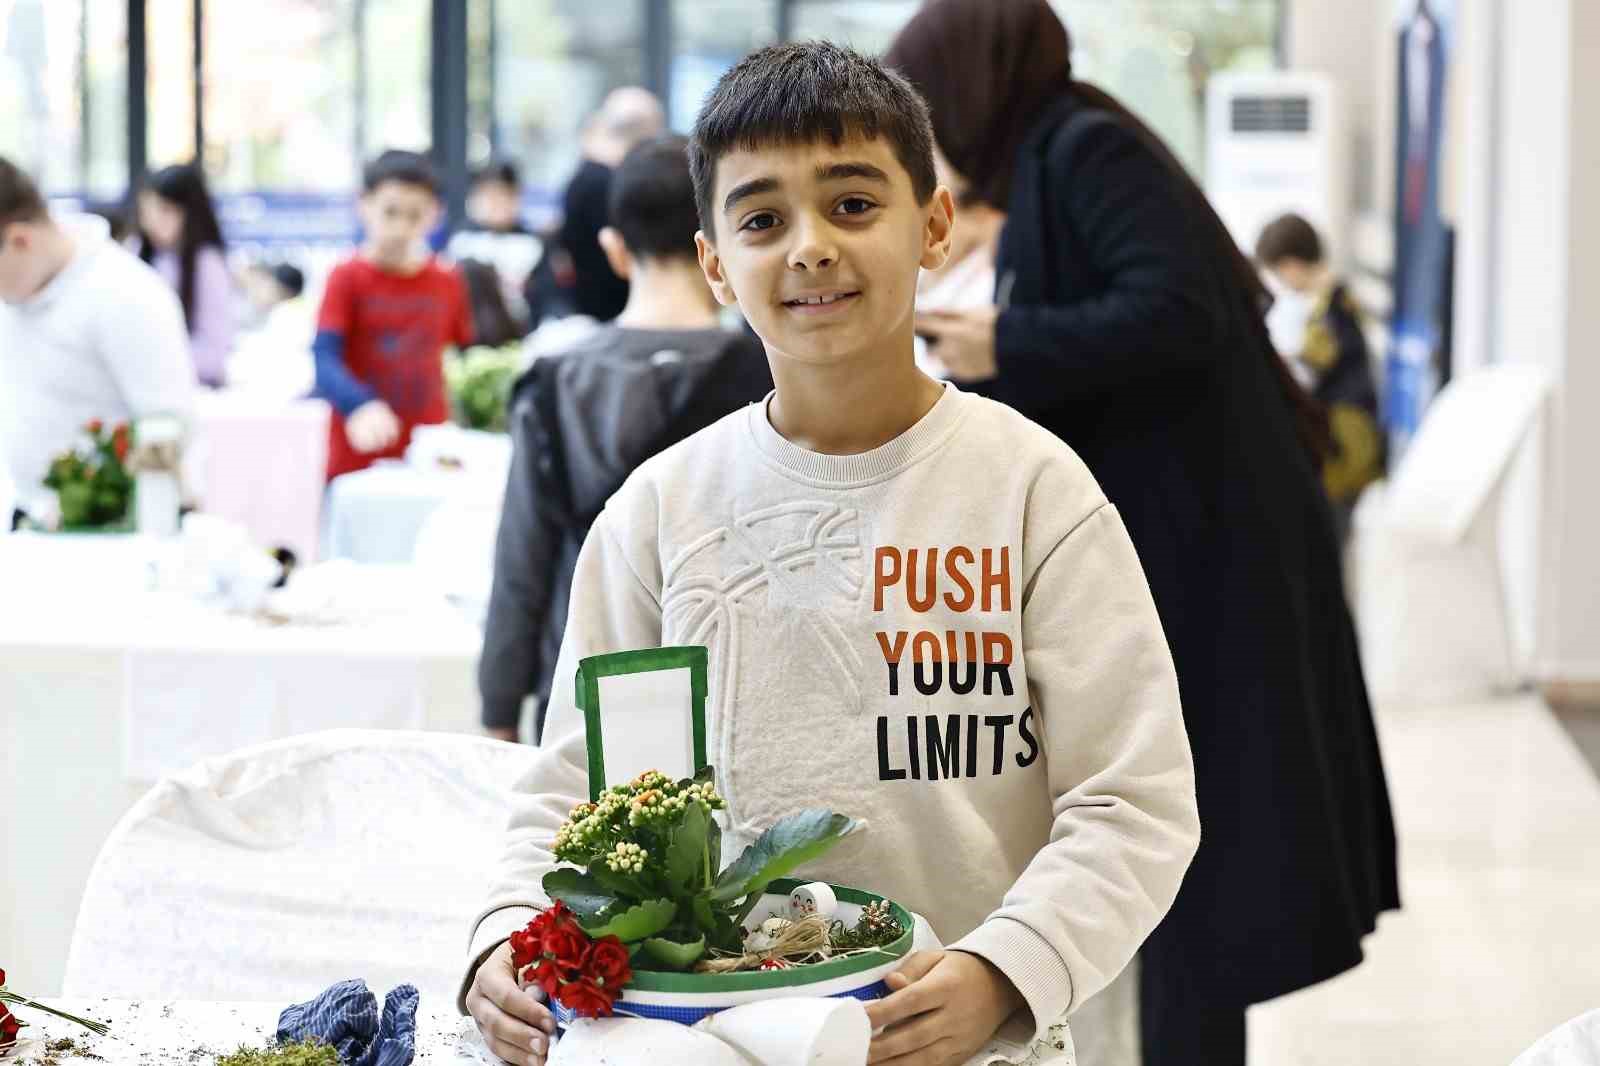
column 617, row 253
column 940, row 224
column 711, row 267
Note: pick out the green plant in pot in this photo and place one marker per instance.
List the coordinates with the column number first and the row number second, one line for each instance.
column 646, row 867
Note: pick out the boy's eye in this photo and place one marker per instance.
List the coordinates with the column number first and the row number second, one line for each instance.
column 855, row 205
column 765, row 220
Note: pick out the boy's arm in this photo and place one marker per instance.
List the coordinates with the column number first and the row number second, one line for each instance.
column 334, row 382
column 524, row 570
column 1121, row 777
column 612, row 610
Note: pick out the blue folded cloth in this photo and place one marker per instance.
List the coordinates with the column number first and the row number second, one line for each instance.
column 346, row 1016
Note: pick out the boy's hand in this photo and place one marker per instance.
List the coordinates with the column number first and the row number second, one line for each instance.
column 503, row 733
column 372, row 427
column 943, row 1007
column 514, row 1021
column 963, row 341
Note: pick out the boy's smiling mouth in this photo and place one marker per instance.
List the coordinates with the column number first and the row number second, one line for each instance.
column 821, row 303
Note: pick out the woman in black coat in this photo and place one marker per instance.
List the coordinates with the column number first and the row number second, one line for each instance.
column 1130, row 324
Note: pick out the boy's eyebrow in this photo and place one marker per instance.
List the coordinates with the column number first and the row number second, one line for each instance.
column 825, row 172
column 843, row 171
column 750, row 188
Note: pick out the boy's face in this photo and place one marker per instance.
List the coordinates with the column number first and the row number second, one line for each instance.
column 494, row 205
column 799, row 223
column 397, row 216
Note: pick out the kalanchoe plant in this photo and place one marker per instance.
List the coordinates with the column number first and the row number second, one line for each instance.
column 91, row 481
column 651, row 874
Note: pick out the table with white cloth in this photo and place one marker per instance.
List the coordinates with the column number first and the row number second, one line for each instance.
column 261, row 461
column 195, row 1032
column 376, row 515
column 106, row 686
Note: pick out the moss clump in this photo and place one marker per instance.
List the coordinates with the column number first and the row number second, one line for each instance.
column 311, row 1052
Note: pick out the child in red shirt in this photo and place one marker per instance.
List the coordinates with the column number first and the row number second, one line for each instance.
column 387, row 315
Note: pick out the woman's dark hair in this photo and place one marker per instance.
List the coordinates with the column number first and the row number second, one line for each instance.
column 989, row 69
column 185, row 187
column 1288, row 237
column 492, row 321
column 803, row 93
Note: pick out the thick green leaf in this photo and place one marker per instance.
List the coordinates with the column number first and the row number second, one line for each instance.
column 789, row 843
column 714, row 843
column 686, row 853
column 586, row 896
column 623, row 886
column 705, row 919
column 671, row 955
column 636, row 923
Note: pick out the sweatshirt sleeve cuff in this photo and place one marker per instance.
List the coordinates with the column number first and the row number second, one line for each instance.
column 1029, row 962
column 494, row 929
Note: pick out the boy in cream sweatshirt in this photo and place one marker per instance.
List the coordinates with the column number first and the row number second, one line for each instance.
column 921, row 610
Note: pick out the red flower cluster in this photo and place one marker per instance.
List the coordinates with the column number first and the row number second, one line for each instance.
column 9, row 1028
column 584, row 975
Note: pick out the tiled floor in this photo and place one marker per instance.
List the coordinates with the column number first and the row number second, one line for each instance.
column 1499, row 941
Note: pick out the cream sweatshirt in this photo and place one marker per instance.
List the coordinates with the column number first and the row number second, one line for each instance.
column 949, row 637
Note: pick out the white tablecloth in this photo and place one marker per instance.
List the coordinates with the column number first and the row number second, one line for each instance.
column 262, row 462
column 146, row 1032
column 104, row 686
column 375, row 515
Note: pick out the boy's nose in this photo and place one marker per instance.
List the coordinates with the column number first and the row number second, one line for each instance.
column 812, row 250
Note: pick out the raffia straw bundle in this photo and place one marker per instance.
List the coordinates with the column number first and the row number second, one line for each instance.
column 801, row 941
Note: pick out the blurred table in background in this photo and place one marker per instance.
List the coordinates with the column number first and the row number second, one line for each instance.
column 105, row 686
column 376, row 515
column 262, row 462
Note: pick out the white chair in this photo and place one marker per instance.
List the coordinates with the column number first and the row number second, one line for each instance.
column 274, row 871
column 1431, row 604
column 1577, row 1043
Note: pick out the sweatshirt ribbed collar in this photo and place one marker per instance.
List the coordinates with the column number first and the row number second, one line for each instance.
column 930, row 431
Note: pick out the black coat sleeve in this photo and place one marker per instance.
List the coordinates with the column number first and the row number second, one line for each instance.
column 1155, row 307
column 524, row 571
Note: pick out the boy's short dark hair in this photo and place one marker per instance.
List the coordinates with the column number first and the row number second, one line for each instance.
column 1288, row 237
column 652, row 201
column 502, row 171
column 19, row 196
column 405, row 168
column 806, row 92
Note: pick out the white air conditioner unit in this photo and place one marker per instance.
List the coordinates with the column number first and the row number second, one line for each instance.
column 1270, row 140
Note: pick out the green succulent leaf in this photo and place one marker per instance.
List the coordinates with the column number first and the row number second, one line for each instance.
column 638, row 922
column 788, row 844
column 671, row 955
column 686, row 853
column 586, row 896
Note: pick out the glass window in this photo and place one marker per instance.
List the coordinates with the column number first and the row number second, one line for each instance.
column 395, row 57
column 1157, row 55
column 708, row 37
column 169, row 80
column 105, row 91
column 865, row 25
column 280, row 96
column 555, row 61
column 67, row 78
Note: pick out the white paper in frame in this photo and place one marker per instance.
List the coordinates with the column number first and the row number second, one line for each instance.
column 643, row 710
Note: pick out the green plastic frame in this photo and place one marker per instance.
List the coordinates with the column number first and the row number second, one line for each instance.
column 587, row 698
column 766, row 980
